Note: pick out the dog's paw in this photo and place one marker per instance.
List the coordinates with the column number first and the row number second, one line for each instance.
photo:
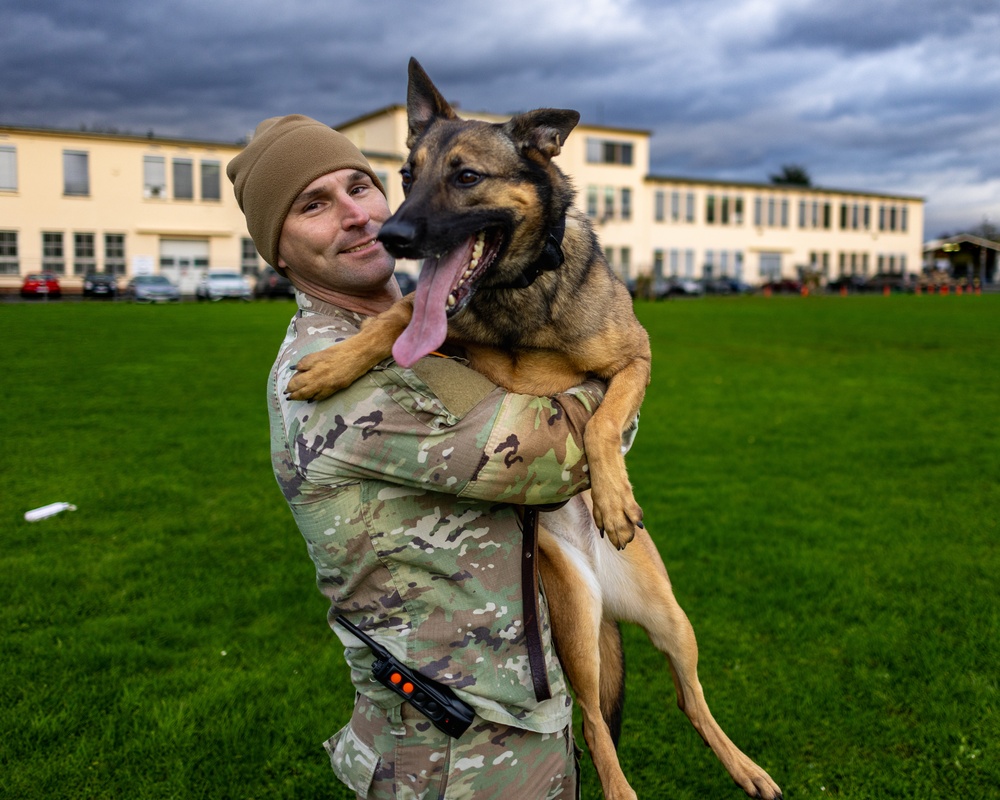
column 618, row 521
column 316, row 378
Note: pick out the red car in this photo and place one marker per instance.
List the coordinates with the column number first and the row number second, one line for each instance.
column 44, row 284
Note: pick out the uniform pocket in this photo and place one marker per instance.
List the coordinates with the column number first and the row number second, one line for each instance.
column 352, row 755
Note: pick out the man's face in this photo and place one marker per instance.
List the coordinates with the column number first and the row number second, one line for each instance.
column 328, row 238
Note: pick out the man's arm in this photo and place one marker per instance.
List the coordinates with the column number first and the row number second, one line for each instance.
column 465, row 436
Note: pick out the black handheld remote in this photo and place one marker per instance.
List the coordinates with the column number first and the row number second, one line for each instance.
column 434, row 700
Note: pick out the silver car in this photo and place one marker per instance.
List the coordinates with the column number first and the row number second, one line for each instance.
column 152, row 289
column 222, row 285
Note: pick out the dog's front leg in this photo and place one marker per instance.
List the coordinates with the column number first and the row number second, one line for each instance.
column 616, row 511
column 321, row 374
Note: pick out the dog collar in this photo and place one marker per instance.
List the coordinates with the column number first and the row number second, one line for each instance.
column 549, row 259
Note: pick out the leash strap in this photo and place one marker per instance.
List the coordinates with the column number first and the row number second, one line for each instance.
column 529, row 591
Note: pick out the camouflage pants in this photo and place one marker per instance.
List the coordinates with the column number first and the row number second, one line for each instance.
column 399, row 755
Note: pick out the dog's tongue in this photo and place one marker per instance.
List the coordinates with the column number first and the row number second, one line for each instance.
column 429, row 326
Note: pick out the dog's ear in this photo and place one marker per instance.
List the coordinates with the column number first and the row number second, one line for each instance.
column 542, row 131
column 424, row 103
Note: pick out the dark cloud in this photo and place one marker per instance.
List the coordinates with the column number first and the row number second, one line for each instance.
column 861, row 26
column 896, row 95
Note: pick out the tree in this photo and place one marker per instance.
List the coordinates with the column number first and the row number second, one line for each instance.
column 986, row 230
column 792, row 175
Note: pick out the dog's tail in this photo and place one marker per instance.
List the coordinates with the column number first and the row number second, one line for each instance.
column 612, row 676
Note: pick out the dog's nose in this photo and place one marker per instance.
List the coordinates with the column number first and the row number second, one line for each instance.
column 399, row 236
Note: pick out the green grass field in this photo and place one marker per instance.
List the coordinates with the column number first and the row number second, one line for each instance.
column 822, row 476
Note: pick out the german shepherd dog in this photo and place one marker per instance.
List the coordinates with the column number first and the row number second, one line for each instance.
column 514, row 275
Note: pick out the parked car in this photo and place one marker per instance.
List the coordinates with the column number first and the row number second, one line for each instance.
column 725, row 286
column 100, row 284
column 847, row 283
column 889, row 281
column 783, row 286
column 407, row 283
column 42, row 284
column 681, row 287
column 271, row 283
column 217, row 286
column 152, row 289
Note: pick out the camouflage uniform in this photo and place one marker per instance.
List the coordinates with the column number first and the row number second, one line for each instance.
column 404, row 486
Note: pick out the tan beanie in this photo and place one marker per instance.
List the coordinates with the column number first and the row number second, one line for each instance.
column 284, row 156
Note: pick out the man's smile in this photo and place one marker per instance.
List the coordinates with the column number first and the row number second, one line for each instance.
column 362, row 246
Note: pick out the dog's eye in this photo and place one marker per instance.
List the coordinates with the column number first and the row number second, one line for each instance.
column 407, row 177
column 467, row 178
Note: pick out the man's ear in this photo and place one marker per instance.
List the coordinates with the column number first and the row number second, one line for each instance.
column 540, row 134
column 424, row 103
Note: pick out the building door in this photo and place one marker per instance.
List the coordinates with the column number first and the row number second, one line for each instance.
column 770, row 266
column 184, row 261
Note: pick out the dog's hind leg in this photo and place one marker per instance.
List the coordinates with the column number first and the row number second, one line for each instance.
column 575, row 612
column 612, row 676
column 666, row 624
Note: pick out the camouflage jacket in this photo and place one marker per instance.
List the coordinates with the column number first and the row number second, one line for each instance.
column 404, row 486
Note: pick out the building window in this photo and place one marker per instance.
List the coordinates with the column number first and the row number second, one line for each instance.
column 675, row 206
column 710, row 209
column 689, row 210
column 53, row 258
column 758, row 212
column 210, row 180
column 183, row 179
column 657, row 264
column 9, row 264
column 626, row 263
column 659, row 206
column 675, row 263
column 84, row 260
column 154, row 176
column 114, row 253
column 609, row 202
column 602, row 151
column 738, row 210
column 626, row 203
column 8, row 168
column 249, row 264
column 689, row 263
column 592, row 202
column 76, row 173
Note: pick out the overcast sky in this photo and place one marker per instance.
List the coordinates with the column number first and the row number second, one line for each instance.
column 900, row 96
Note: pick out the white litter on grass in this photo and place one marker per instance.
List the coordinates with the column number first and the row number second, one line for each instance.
column 48, row 511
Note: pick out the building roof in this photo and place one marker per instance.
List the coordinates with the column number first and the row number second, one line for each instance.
column 961, row 238
column 486, row 115
column 776, row 187
column 116, row 136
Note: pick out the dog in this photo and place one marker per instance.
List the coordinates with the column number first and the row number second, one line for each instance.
column 513, row 274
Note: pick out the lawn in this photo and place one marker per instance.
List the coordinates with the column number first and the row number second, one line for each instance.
column 822, row 476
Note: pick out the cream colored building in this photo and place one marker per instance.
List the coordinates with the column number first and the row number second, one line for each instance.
column 76, row 202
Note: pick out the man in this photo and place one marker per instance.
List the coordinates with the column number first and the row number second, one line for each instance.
column 406, row 487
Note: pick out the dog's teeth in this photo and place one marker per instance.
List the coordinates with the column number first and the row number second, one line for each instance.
column 451, row 301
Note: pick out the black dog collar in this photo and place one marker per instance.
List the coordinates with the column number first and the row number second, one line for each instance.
column 549, row 259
